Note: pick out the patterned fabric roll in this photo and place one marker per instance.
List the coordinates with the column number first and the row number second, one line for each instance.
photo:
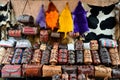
column 108, row 42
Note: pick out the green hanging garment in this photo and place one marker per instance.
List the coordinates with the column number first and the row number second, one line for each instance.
column 65, row 21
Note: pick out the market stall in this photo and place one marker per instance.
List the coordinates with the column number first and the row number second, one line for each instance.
column 60, row 39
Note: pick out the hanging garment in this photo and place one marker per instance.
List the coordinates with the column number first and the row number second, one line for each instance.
column 101, row 22
column 52, row 16
column 41, row 18
column 7, row 18
column 65, row 21
column 7, row 14
column 80, row 20
column 4, row 14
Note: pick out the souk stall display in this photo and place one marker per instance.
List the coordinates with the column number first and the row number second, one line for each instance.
column 78, row 45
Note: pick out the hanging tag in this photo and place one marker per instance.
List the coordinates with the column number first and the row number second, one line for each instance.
column 86, row 45
column 70, row 46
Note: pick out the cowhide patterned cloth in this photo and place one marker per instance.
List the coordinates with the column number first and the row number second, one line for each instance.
column 101, row 21
column 6, row 18
column 4, row 13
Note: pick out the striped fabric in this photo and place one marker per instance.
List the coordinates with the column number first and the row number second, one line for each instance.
column 108, row 43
